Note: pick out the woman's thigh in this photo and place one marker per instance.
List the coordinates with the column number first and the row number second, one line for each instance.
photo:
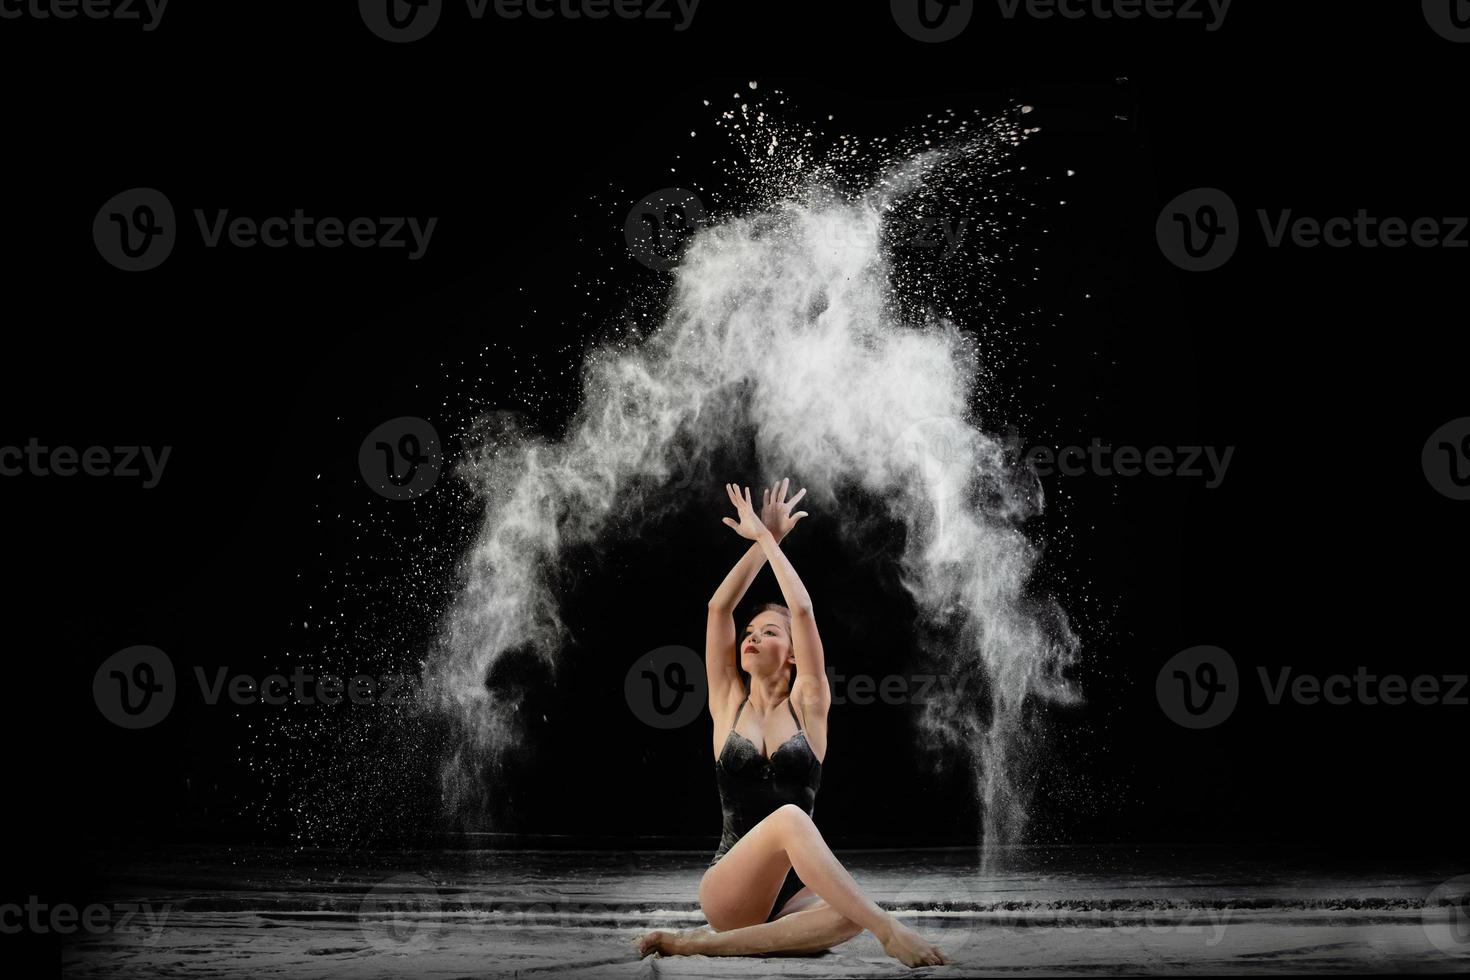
column 740, row 889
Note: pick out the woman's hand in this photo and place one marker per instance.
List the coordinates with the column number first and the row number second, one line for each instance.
column 749, row 526
column 776, row 509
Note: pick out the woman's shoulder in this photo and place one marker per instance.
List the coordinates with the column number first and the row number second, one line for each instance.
column 724, row 712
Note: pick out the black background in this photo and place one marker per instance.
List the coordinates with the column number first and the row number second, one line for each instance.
column 1325, row 548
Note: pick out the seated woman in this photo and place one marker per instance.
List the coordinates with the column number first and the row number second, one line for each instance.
column 774, row 886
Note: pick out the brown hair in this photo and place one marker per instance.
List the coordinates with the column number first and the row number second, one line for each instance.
column 773, row 607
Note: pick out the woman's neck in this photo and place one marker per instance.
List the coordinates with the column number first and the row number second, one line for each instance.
column 767, row 692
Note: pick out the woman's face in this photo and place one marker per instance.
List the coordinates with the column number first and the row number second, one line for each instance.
column 765, row 647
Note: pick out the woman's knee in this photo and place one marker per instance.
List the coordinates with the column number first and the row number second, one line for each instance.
column 791, row 815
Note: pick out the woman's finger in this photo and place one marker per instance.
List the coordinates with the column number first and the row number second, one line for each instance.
column 799, row 494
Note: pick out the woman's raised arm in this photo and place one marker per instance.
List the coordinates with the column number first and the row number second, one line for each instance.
column 812, row 690
column 720, row 653
column 805, row 640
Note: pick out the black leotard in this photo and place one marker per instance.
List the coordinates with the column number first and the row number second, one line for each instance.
column 752, row 787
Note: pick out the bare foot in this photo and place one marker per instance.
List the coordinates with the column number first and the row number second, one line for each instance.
column 664, row 941
column 910, row 948
column 651, row 942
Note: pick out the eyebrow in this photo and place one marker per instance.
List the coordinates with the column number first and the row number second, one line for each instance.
column 752, row 626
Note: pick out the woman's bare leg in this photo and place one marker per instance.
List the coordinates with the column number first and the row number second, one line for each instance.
column 808, row 930
column 788, row 839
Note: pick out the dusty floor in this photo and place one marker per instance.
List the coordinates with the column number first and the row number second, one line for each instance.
column 496, row 913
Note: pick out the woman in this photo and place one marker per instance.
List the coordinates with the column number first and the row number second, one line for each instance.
column 774, row 886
